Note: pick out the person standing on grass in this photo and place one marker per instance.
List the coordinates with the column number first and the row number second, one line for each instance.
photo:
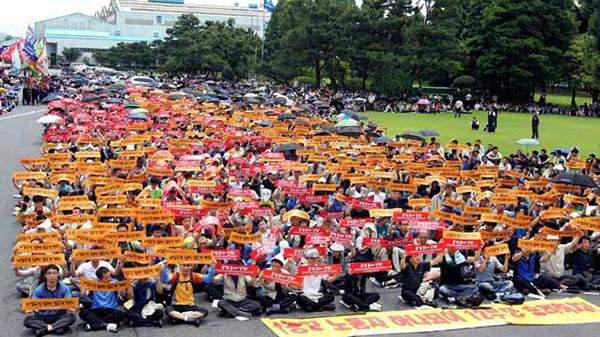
column 535, row 122
column 458, row 107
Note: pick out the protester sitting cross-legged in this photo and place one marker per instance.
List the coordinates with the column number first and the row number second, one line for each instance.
column 314, row 296
column 146, row 311
column 456, row 285
column 356, row 296
column 414, row 284
column 50, row 321
column 490, row 285
column 104, row 313
column 275, row 297
column 235, row 302
column 183, row 307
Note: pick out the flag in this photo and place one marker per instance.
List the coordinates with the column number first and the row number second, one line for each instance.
column 16, row 58
column 42, row 56
column 29, row 46
column 269, row 6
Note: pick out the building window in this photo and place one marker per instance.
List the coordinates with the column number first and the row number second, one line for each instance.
column 156, row 35
column 118, row 33
column 159, row 20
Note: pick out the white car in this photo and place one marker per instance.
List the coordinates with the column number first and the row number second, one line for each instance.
column 142, row 81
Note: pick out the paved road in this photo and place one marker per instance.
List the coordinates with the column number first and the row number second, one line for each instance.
column 21, row 137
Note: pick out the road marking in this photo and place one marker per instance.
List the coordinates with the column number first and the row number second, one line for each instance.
column 23, row 114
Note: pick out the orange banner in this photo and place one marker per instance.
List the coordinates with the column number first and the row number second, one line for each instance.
column 37, row 304
column 142, row 272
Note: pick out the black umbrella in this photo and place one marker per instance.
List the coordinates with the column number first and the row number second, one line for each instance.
column 286, row 116
column 357, row 117
column 131, row 105
column 561, row 150
column 288, row 147
column 574, row 179
column 408, row 134
column 381, row 140
column 351, row 131
column 323, row 132
column 306, row 107
column 91, row 98
column 252, row 100
column 428, row 133
column 373, row 134
column 51, row 97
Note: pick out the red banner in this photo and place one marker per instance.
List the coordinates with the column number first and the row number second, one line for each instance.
column 411, row 216
column 287, row 184
column 297, row 253
column 303, row 231
column 331, row 215
column 354, row 223
column 236, row 269
column 281, row 278
column 369, row 267
column 414, row 249
column 376, row 241
column 365, row 204
column 341, row 237
column 322, row 269
column 223, row 254
column 298, row 191
column 317, row 239
column 428, row 225
column 313, row 199
column 459, row 244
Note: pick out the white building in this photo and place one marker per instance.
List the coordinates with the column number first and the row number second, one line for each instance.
column 138, row 20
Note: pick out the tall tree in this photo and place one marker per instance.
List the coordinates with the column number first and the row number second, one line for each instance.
column 523, row 45
column 311, row 32
column 71, row 54
column 435, row 45
column 378, row 42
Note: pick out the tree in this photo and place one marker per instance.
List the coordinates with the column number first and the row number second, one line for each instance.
column 71, row 54
column 379, row 38
column 211, row 48
column 522, row 45
column 435, row 45
column 312, row 33
column 584, row 66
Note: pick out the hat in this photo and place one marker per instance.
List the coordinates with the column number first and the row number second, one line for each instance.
column 370, row 225
column 337, row 247
column 311, row 253
column 279, row 257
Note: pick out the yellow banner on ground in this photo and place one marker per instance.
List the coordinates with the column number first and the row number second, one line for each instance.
column 544, row 312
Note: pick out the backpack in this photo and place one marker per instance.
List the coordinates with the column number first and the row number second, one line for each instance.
column 470, row 301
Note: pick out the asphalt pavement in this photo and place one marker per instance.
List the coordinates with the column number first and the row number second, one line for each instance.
column 21, row 138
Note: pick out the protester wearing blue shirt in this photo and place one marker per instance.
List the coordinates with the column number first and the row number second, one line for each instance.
column 145, row 311
column 104, row 313
column 50, row 321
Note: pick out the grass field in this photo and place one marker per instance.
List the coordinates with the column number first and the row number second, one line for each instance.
column 555, row 131
column 564, row 98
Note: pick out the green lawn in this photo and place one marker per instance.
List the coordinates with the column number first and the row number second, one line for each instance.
column 555, row 131
column 563, row 98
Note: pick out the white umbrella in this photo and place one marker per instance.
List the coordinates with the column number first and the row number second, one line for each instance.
column 528, row 141
column 49, row 119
